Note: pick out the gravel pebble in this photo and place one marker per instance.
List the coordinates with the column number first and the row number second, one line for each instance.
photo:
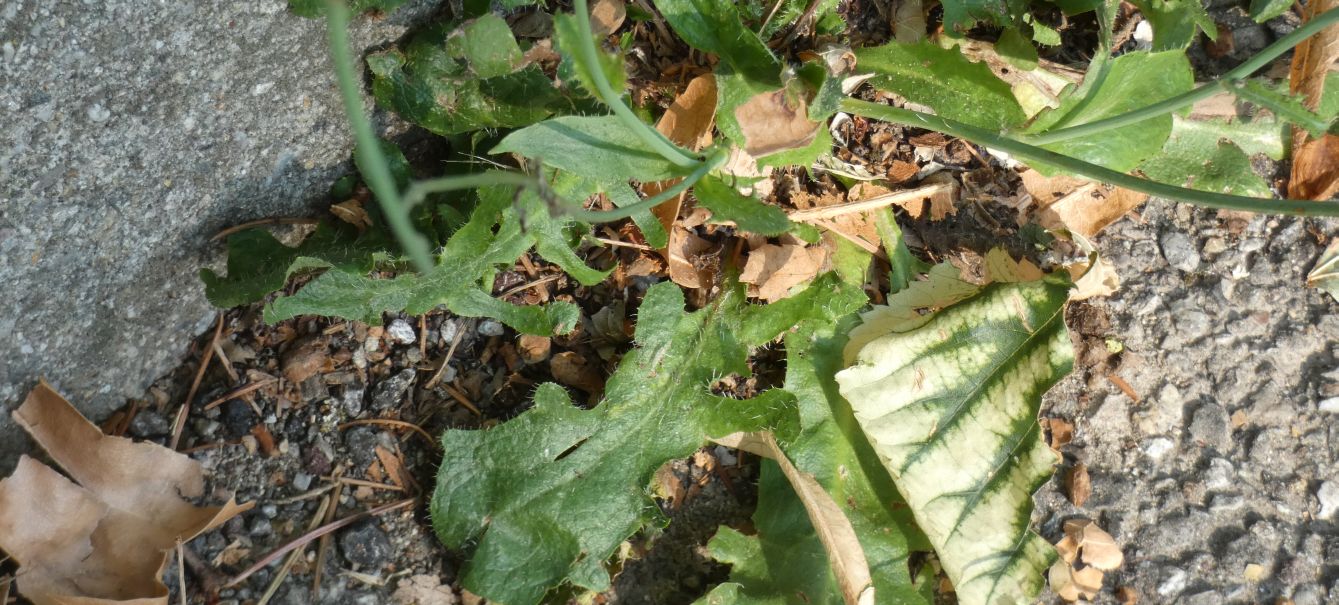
column 390, row 392
column 302, row 482
column 1179, row 251
column 260, row 526
column 365, row 545
column 1328, row 495
column 490, row 328
column 401, row 332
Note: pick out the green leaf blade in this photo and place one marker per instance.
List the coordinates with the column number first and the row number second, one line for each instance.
column 945, row 80
column 951, row 409
column 595, row 147
column 746, row 212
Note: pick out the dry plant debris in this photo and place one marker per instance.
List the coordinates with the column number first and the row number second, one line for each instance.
column 106, row 538
column 1086, row 553
column 1315, row 169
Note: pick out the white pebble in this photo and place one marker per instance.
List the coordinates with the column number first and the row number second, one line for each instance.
column 1330, row 405
column 1158, row 447
column 490, row 328
column 1328, row 494
column 98, row 113
column 1174, row 584
column 401, row 332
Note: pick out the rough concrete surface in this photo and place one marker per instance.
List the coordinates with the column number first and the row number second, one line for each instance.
column 1221, row 482
column 134, row 130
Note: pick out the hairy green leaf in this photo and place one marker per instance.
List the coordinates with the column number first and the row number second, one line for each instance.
column 961, row 15
column 943, row 79
column 951, row 408
column 715, row 27
column 469, row 259
column 747, row 212
column 1287, row 107
column 566, row 36
column 547, row 497
column 1130, row 82
column 258, row 264
column 1212, row 156
column 594, row 147
column 453, row 81
column 1264, row 10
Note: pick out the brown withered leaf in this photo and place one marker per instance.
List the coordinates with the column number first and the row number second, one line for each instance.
column 772, row 270
column 688, row 122
column 1061, row 431
column 353, row 213
column 574, row 370
column 305, row 358
column 606, row 16
column 775, row 121
column 1079, row 205
column 534, row 349
column 1094, row 546
column 422, row 589
column 690, row 259
column 1072, row 585
column 1315, row 170
column 1127, row 596
column 106, row 538
column 1077, row 484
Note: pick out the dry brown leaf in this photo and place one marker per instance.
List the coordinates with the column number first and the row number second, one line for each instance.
column 1315, row 171
column 688, row 254
column 1079, row 205
column 1000, row 267
column 353, row 213
column 1093, row 280
column 688, row 122
column 534, row 349
column 574, row 370
column 606, row 16
column 394, row 468
column 1127, row 596
column 305, row 358
column 106, row 538
column 909, row 22
column 422, row 589
column 1095, row 546
column 1077, row 484
column 1072, row 585
column 775, row 121
column 834, row 530
column 231, row 555
column 1061, row 430
column 771, row 271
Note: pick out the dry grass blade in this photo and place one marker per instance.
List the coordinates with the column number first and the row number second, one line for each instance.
column 896, row 198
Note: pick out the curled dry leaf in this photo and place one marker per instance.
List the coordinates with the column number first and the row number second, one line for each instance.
column 353, row 213
column 1071, row 584
column 1079, row 205
column 772, row 270
column 574, row 370
column 688, row 122
column 606, row 16
column 834, row 530
column 689, row 259
column 1061, row 431
column 775, row 121
column 1077, row 484
column 106, row 538
column 1315, row 170
column 305, row 358
column 1093, row 546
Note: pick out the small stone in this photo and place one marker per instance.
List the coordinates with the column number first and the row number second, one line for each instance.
column 1308, row 594
column 315, row 461
column 1157, row 447
column 1174, row 583
column 448, row 330
column 237, row 418
column 148, row 424
column 1179, row 251
column 302, row 481
column 490, row 328
column 98, row 113
column 1330, row 406
column 1210, row 427
column 361, row 443
column 401, row 332
column 1328, row 494
column 1214, row 245
column 270, row 511
column 353, row 398
column 390, row 392
column 365, row 545
column 1226, row 503
column 1220, row 474
column 260, row 526
column 1254, row 572
column 1208, row 597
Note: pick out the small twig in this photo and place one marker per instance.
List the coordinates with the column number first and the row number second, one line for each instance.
column 306, row 538
column 618, row 244
column 181, row 574
column 323, row 544
column 224, row 361
column 450, row 352
column 400, row 423
column 260, row 223
column 250, row 388
column 371, row 484
column 195, row 385
column 527, row 286
column 307, row 495
column 282, row 574
column 888, row 199
column 460, row 397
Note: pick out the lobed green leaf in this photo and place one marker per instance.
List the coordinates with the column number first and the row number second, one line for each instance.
column 944, row 80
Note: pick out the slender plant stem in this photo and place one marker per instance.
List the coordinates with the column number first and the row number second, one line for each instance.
column 418, row 190
column 604, row 216
column 1286, row 108
column 590, row 56
column 371, row 161
column 1030, row 153
column 1283, row 45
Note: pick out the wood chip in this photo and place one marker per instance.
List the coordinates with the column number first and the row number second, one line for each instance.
column 1077, row 484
